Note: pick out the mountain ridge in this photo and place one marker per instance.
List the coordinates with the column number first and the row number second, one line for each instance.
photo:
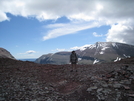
column 100, row 52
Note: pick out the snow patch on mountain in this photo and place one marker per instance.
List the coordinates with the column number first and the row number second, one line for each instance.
column 82, row 48
column 95, row 61
column 101, row 44
column 92, row 46
column 79, row 59
column 114, row 45
column 126, row 56
column 117, row 59
column 103, row 50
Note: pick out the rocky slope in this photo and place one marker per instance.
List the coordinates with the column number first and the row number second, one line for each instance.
column 5, row 54
column 27, row 81
column 101, row 52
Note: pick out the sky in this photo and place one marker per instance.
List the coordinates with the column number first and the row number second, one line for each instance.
column 31, row 28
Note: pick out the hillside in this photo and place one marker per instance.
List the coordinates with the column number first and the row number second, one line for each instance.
column 28, row 81
column 100, row 52
column 5, row 54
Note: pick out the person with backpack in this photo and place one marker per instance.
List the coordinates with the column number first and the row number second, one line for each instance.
column 73, row 59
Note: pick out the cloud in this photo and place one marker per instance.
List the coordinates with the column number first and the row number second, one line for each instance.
column 73, row 9
column 69, row 28
column 29, row 52
column 59, row 50
column 110, row 12
column 122, row 32
column 3, row 16
column 97, row 35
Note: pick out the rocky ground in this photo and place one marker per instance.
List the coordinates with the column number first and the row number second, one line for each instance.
column 27, row 81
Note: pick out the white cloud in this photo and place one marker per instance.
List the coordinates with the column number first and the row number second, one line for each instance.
column 70, row 28
column 122, row 32
column 73, row 9
column 29, row 52
column 107, row 11
column 97, row 35
column 60, row 49
column 3, row 16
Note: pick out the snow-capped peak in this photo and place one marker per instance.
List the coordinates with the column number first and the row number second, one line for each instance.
column 82, row 48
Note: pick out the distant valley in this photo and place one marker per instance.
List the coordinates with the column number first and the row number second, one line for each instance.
column 32, row 60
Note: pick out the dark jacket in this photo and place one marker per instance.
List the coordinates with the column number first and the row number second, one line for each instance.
column 73, row 57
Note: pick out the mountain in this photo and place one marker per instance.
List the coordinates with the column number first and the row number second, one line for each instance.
column 5, row 54
column 100, row 52
column 57, row 58
column 105, row 52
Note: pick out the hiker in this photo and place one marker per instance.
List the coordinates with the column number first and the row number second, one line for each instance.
column 73, row 59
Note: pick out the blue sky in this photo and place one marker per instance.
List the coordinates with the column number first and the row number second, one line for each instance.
column 31, row 29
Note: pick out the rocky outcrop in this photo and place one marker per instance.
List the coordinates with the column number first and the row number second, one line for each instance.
column 114, row 86
column 28, row 81
column 5, row 54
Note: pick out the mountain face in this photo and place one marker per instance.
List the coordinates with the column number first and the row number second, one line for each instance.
column 5, row 54
column 100, row 52
column 57, row 58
